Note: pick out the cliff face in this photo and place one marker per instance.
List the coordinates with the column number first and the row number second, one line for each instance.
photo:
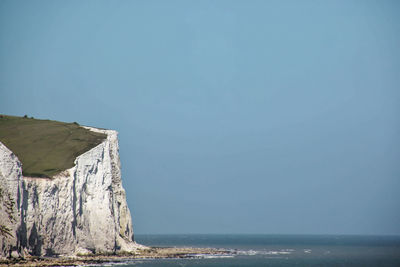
column 81, row 210
column 10, row 200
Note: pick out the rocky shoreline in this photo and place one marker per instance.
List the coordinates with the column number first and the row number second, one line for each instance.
column 90, row 259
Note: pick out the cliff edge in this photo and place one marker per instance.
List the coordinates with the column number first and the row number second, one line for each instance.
column 80, row 210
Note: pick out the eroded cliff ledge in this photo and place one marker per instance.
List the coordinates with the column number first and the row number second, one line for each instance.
column 80, row 210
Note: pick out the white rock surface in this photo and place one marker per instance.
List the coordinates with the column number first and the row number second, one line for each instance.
column 81, row 210
column 10, row 200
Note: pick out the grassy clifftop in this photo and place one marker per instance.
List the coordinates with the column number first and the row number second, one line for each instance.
column 46, row 147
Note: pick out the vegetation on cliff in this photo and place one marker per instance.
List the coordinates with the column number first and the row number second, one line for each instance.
column 46, row 147
column 6, row 203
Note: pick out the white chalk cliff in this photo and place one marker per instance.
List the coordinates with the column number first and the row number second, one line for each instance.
column 10, row 201
column 81, row 210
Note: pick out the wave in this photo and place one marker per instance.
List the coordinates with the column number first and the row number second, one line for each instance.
column 215, row 256
column 264, row 252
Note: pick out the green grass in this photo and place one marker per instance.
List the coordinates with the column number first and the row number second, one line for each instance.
column 46, row 147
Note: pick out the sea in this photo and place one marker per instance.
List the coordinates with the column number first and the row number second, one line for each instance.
column 278, row 250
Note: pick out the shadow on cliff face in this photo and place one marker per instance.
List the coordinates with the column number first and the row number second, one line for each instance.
column 50, row 253
column 22, row 231
column 35, row 241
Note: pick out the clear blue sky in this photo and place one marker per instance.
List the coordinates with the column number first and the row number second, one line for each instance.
column 234, row 116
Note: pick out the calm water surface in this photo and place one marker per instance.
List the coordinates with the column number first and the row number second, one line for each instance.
column 280, row 250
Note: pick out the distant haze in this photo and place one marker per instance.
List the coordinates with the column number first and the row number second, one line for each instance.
column 234, row 116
